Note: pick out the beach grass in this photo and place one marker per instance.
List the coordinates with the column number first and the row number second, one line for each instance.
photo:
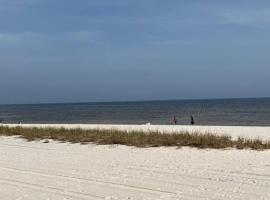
column 134, row 138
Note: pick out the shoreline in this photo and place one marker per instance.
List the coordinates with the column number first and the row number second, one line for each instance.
column 247, row 132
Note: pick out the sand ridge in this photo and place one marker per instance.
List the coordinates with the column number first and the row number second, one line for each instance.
column 249, row 132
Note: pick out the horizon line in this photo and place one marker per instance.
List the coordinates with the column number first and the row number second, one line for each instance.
column 131, row 101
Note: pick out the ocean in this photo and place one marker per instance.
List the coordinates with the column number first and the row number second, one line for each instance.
column 238, row 112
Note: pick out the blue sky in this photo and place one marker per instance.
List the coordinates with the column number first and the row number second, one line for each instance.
column 118, row 50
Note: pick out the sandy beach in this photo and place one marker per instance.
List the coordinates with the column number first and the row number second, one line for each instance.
column 134, row 100
column 36, row 170
column 57, row 171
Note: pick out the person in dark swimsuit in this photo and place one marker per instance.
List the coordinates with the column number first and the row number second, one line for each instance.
column 192, row 120
column 174, row 120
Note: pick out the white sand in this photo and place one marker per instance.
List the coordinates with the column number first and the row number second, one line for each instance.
column 57, row 171
column 234, row 131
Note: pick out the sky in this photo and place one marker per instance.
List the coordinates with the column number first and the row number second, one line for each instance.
column 54, row 51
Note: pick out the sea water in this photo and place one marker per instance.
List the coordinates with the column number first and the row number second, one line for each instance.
column 247, row 112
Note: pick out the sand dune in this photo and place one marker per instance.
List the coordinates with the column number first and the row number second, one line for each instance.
column 35, row 170
column 234, row 131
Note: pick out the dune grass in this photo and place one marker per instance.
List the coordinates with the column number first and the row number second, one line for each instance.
column 134, row 138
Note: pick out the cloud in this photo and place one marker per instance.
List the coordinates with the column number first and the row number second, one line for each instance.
column 72, row 36
column 82, row 36
column 41, row 46
column 16, row 4
column 13, row 38
column 257, row 17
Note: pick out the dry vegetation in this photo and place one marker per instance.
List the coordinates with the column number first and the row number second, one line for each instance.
column 135, row 138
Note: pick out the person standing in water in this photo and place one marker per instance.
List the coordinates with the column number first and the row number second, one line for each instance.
column 192, row 120
column 174, row 120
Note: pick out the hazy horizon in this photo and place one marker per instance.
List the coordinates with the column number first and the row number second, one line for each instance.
column 136, row 101
column 106, row 51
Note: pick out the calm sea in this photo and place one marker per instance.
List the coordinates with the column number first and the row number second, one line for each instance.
column 251, row 112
